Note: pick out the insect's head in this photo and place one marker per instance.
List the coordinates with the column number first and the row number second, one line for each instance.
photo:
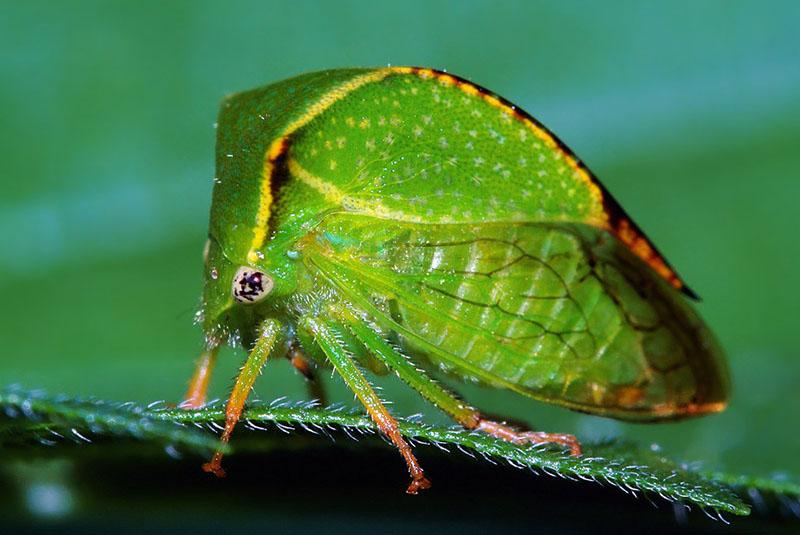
column 235, row 296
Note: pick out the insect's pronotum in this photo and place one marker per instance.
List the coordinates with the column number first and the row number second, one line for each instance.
column 408, row 218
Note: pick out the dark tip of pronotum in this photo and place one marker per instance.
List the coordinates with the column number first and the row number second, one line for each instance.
column 690, row 293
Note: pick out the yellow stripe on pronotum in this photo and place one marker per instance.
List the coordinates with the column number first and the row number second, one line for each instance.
column 599, row 217
column 277, row 147
column 335, row 195
column 330, row 191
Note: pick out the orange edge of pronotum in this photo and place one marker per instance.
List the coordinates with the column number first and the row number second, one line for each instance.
column 614, row 218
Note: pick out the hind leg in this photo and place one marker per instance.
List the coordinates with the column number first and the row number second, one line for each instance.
column 316, row 390
column 509, row 434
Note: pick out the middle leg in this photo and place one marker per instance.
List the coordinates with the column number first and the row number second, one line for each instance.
column 327, row 340
column 439, row 396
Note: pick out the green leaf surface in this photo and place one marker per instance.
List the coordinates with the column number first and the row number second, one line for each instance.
column 32, row 418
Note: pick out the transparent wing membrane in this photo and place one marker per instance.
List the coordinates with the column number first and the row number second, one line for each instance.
column 560, row 312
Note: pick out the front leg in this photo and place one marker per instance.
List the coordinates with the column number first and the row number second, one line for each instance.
column 195, row 396
column 270, row 333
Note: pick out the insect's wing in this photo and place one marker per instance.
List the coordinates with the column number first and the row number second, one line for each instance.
column 561, row 312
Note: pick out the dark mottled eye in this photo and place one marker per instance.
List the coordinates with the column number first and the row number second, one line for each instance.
column 250, row 285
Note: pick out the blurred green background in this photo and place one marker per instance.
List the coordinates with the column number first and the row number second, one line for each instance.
column 689, row 112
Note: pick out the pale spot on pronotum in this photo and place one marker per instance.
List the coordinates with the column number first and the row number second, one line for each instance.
column 206, row 249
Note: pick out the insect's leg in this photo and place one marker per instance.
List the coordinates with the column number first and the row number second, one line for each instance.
column 416, row 378
column 266, row 342
column 515, row 436
column 198, row 386
column 328, row 341
column 439, row 396
column 316, row 390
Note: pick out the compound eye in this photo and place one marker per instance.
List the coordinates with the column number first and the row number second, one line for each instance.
column 250, row 285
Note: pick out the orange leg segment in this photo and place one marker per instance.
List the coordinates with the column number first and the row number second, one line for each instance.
column 509, row 434
column 196, row 394
column 355, row 380
column 244, row 384
column 302, row 365
column 388, row 426
column 462, row 412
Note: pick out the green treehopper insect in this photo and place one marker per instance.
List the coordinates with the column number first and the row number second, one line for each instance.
column 403, row 219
